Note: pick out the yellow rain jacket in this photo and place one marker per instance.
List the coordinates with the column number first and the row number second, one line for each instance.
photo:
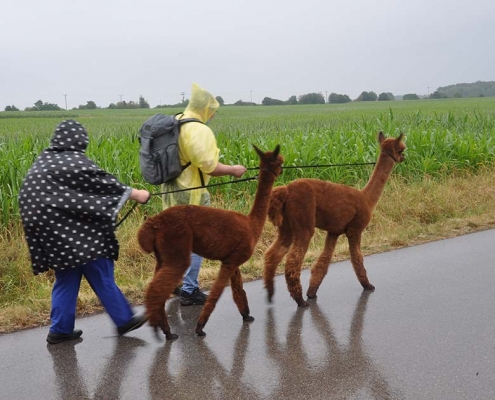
column 198, row 145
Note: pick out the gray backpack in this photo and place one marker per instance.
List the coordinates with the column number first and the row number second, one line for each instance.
column 159, row 154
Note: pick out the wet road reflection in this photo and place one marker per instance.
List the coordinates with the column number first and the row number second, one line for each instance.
column 182, row 376
column 69, row 375
column 346, row 369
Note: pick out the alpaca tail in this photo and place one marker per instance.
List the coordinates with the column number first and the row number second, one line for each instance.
column 146, row 236
column 278, row 198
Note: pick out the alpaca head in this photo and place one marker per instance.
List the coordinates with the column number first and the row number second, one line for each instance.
column 271, row 160
column 393, row 147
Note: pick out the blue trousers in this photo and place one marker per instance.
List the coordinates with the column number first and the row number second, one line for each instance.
column 190, row 279
column 100, row 276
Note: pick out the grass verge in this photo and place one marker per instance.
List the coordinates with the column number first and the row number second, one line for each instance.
column 407, row 214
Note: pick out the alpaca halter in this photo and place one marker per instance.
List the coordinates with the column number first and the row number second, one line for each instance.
column 391, row 156
column 269, row 170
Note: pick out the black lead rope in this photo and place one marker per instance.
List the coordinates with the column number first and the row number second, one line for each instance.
column 184, row 190
column 326, row 165
column 239, row 180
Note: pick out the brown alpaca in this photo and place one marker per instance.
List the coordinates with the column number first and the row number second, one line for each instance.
column 215, row 234
column 305, row 204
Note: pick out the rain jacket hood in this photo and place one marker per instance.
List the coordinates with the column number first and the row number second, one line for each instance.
column 202, row 104
column 70, row 136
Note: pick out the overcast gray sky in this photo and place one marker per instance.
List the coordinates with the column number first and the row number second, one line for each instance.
column 105, row 50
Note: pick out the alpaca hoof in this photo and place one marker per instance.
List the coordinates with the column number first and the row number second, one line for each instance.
column 248, row 318
column 311, row 294
column 302, row 303
column 199, row 330
column 171, row 336
column 269, row 296
column 369, row 287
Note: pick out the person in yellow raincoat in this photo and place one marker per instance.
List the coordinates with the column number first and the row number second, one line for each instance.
column 197, row 145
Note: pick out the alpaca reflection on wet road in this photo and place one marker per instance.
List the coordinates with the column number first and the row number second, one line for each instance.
column 340, row 370
column 346, row 369
column 200, row 373
column 264, row 361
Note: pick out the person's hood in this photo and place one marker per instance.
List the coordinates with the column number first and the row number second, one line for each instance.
column 69, row 135
column 202, row 104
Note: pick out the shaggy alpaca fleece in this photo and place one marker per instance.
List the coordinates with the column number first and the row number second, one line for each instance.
column 305, row 204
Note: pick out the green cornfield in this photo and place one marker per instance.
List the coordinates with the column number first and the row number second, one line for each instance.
column 443, row 137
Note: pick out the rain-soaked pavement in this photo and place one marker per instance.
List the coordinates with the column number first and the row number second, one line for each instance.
column 427, row 332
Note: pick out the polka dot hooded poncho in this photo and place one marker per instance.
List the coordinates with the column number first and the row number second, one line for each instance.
column 69, row 205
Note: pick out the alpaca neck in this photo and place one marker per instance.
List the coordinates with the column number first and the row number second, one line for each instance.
column 374, row 188
column 259, row 210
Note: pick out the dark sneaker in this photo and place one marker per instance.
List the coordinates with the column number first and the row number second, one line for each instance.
column 54, row 338
column 177, row 291
column 196, row 298
column 135, row 323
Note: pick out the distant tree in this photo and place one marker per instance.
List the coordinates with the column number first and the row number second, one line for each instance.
column 90, row 105
column 220, row 100
column 11, row 108
column 268, row 101
column 367, row 96
column 335, row 98
column 244, row 103
column 386, row 96
column 40, row 106
column 437, row 95
column 143, row 103
column 410, row 96
column 458, row 95
column 292, row 100
column 311, row 98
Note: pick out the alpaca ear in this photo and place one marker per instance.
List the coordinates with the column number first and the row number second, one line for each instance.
column 400, row 137
column 276, row 151
column 260, row 153
column 381, row 137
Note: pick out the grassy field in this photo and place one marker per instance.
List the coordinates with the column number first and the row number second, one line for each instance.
column 445, row 187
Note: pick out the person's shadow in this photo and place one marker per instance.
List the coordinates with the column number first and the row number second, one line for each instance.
column 69, row 380
column 344, row 370
column 201, row 372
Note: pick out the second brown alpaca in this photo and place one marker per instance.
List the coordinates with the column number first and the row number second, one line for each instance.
column 305, row 204
column 215, row 234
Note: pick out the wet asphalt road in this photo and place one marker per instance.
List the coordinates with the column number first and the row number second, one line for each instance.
column 427, row 332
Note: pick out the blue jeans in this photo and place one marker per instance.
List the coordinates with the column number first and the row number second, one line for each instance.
column 100, row 276
column 190, row 280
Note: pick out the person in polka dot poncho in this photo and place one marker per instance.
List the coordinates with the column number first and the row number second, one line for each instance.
column 69, row 207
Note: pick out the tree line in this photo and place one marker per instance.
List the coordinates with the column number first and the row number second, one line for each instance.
column 477, row 89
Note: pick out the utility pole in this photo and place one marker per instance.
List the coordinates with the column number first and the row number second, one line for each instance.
column 251, row 97
column 182, row 94
column 120, row 95
column 65, row 95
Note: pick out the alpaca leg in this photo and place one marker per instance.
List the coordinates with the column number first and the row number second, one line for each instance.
column 274, row 256
column 293, row 266
column 157, row 293
column 320, row 267
column 226, row 272
column 239, row 295
column 358, row 261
